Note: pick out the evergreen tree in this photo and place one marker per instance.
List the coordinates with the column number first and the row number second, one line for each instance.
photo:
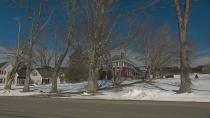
column 101, row 73
column 109, row 75
column 23, row 67
column 77, row 66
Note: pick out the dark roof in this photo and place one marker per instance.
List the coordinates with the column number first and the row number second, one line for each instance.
column 138, row 70
column 21, row 73
column 44, row 72
column 2, row 64
column 118, row 57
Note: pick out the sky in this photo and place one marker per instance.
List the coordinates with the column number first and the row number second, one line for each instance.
column 164, row 11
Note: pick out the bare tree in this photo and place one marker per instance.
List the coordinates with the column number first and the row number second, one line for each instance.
column 56, row 56
column 182, row 23
column 131, row 23
column 157, row 47
column 143, row 45
column 34, row 21
column 20, row 52
column 168, row 51
column 98, row 28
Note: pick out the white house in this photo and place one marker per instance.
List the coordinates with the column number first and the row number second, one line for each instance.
column 5, row 68
column 36, row 77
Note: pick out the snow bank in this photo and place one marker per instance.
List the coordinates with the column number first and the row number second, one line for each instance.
column 162, row 90
column 16, row 93
column 144, row 93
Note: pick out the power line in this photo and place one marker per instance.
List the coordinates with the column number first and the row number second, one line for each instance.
column 58, row 6
column 158, row 8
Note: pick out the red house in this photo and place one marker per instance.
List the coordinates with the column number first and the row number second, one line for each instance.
column 128, row 70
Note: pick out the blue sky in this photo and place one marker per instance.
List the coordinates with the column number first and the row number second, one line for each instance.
column 198, row 25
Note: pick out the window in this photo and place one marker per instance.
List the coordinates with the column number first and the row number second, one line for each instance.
column 4, row 72
column 34, row 74
column 125, row 64
column 1, row 80
column 23, row 81
column 19, row 81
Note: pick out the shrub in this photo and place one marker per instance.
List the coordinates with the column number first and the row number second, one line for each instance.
column 196, row 76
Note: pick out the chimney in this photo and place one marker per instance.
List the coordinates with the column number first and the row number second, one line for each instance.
column 122, row 54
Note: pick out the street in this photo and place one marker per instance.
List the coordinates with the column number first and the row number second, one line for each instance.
column 36, row 107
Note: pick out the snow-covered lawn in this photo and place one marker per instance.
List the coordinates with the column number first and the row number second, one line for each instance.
column 162, row 90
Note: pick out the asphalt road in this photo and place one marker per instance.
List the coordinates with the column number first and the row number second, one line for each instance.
column 34, row 107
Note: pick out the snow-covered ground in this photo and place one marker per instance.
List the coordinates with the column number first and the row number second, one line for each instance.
column 162, row 90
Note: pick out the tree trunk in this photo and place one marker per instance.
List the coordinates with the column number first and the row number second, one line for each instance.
column 10, row 78
column 91, row 84
column 117, row 79
column 182, row 23
column 54, row 82
column 91, row 75
column 185, row 80
column 157, row 74
column 97, row 75
column 27, row 80
column 8, row 83
column 12, row 73
column 149, row 74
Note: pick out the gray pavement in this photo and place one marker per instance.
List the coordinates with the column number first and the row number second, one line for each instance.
column 35, row 107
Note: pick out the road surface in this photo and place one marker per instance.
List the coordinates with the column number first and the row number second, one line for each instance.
column 35, row 107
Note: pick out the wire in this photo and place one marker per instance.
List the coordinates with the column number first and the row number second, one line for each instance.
column 158, row 8
column 58, row 6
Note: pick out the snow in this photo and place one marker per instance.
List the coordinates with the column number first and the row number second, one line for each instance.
column 161, row 90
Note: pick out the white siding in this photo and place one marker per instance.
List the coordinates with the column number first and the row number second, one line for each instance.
column 7, row 69
column 36, row 79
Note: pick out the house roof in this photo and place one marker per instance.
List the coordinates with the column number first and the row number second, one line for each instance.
column 21, row 73
column 2, row 64
column 118, row 57
column 44, row 72
column 138, row 70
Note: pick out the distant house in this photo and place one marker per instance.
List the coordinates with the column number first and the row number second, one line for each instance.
column 20, row 77
column 5, row 68
column 128, row 70
column 144, row 70
column 138, row 74
column 35, row 77
column 44, row 76
column 41, row 76
column 38, row 76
